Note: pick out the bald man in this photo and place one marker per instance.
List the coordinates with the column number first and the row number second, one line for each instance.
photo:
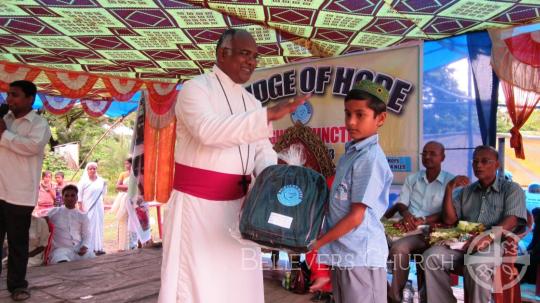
column 222, row 139
column 420, row 202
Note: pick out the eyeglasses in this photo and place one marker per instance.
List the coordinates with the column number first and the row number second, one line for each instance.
column 247, row 55
column 482, row 161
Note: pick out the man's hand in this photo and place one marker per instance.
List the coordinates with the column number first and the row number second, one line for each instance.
column 285, row 107
column 82, row 250
column 482, row 242
column 410, row 222
column 458, row 181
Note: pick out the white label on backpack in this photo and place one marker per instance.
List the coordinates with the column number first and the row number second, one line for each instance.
column 280, row 220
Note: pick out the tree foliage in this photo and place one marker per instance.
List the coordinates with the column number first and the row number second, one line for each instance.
column 504, row 123
column 76, row 126
column 446, row 108
column 54, row 162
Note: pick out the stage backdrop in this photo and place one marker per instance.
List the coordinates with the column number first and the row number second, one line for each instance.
column 329, row 79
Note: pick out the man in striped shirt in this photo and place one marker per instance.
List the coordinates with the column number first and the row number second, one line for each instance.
column 492, row 201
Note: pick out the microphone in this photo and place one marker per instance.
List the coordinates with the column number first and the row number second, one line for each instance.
column 4, row 109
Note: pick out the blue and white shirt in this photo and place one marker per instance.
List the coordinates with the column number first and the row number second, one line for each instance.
column 362, row 176
column 424, row 198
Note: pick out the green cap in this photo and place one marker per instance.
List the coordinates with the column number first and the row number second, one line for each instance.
column 372, row 88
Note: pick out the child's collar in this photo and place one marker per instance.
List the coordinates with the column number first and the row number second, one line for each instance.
column 360, row 144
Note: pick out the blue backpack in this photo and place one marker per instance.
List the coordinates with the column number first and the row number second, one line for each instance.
column 285, row 208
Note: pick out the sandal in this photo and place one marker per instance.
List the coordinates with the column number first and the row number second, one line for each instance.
column 20, row 294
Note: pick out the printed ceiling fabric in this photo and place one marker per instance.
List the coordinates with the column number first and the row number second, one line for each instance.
column 174, row 40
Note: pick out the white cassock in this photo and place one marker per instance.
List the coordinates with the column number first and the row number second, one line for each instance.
column 202, row 262
column 91, row 194
column 71, row 231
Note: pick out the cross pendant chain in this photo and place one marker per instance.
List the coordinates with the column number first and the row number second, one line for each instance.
column 244, row 183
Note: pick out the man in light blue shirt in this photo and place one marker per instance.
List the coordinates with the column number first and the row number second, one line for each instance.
column 353, row 242
column 420, row 202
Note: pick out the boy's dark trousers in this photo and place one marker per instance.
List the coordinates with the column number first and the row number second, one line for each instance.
column 15, row 223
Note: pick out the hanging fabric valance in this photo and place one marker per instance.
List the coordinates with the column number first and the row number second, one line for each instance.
column 75, row 84
column 516, row 60
column 57, row 105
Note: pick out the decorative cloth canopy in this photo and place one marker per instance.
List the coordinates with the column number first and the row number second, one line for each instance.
column 173, row 40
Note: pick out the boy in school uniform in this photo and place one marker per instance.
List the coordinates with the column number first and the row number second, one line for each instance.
column 354, row 243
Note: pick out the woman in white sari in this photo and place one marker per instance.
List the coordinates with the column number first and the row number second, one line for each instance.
column 127, row 239
column 92, row 190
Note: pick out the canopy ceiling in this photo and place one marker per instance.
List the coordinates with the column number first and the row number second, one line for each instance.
column 173, row 40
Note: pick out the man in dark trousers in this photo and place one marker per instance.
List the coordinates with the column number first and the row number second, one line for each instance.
column 23, row 136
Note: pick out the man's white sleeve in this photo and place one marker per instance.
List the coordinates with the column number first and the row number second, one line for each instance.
column 85, row 229
column 32, row 144
column 220, row 130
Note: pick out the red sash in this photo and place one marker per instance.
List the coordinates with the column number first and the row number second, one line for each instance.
column 207, row 184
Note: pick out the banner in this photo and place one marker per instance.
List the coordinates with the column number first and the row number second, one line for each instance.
column 138, row 214
column 329, row 79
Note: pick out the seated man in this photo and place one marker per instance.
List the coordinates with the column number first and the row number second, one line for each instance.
column 419, row 202
column 71, row 232
column 492, row 201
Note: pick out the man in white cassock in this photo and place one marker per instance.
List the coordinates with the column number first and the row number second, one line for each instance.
column 71, row 230
column 222, row 138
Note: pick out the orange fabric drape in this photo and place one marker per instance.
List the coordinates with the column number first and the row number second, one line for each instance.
column 520, row 104
column 158, row 161
column 159, row 140
column 150, row 158
column 165, row 162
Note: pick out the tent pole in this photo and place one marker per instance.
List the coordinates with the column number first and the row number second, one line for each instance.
column 501, row 156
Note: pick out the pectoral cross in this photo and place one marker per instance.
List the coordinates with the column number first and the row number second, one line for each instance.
column 244, row 183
